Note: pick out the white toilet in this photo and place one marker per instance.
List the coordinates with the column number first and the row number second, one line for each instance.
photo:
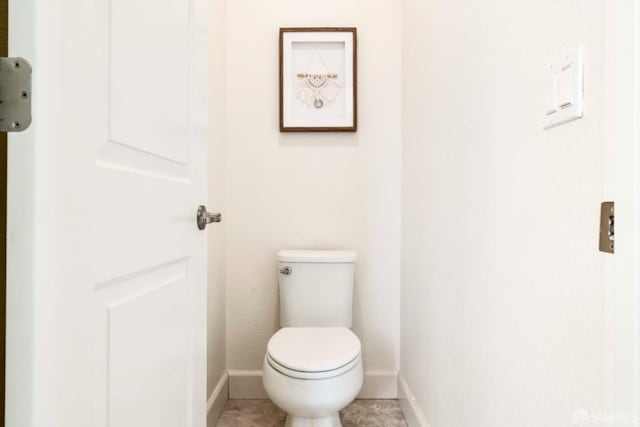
column 313, row 366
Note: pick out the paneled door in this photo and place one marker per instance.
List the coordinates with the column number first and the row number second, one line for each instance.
column 107, row 278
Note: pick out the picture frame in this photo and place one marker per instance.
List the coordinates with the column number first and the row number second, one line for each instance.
column 318, row 79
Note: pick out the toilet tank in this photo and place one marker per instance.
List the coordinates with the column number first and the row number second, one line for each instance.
column 316, row 287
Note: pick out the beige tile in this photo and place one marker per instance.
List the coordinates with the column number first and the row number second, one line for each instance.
column 373, row 413
column 263, row 413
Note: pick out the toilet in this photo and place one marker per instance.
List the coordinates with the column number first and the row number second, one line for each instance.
column 313, row 365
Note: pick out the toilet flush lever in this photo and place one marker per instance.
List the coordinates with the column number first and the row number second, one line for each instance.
column 285, row 270
column 203, row 217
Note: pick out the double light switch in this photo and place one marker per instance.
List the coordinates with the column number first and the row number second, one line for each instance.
column 564, row 89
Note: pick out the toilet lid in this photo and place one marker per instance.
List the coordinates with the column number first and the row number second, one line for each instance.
column 314, row 349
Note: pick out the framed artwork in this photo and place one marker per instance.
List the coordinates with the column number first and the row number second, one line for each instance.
column 318, row 80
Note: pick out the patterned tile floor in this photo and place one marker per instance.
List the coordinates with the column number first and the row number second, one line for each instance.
column 263, row 413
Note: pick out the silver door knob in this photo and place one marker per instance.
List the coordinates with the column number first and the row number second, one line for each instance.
column 203, row 217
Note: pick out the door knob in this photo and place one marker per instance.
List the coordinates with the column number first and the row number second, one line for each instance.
column 203, row 217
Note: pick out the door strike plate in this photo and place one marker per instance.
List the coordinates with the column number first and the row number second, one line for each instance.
column 607, row 235
column 15, row 94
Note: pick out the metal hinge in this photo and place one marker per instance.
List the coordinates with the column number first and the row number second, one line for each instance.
column 15, row 94
column 607, row 220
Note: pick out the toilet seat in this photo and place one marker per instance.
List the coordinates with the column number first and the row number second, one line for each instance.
column 313, row 353
column 312, row 375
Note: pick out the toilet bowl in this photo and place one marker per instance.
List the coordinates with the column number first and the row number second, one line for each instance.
column 312, row 373
column 313, row 368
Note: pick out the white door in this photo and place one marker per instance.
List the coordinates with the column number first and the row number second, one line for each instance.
column 622, row 185
column 107, row 293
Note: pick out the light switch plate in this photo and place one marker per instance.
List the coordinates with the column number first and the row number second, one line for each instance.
column 565, row 89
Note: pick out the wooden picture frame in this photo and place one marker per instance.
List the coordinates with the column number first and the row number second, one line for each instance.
column 318, row 79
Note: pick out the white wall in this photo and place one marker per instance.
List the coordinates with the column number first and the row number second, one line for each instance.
column 216, row 295
column 311, row 190
column 501, row 295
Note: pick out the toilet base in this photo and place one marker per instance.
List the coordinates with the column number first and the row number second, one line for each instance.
column 331, row 421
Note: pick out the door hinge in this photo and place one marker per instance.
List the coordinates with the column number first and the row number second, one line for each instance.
column 607, row 219
column 15, row 94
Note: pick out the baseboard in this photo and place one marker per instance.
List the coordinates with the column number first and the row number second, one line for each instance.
column 410, row 408
column 377, row 385
column 216, row 401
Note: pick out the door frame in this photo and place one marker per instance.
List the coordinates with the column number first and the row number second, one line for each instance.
column 621, row 157
column 4, row 47
column 21, row 261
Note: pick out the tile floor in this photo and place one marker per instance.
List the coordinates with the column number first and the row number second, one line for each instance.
column 263, row 413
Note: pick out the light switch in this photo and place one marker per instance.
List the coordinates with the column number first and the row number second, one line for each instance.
column 564, row 89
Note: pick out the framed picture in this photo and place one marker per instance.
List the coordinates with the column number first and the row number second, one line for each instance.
column 318, row 80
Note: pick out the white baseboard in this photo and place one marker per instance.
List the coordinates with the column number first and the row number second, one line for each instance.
column 217, row 400
column 410, row 408
column 377, row 385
